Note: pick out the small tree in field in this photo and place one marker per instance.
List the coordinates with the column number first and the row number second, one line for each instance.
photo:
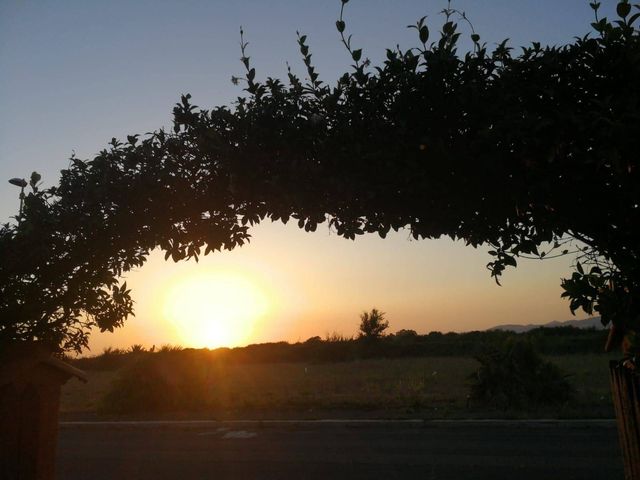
column 373, row 324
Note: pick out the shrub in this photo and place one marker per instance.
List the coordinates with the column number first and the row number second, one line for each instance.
column 515, row 376
column 406, row 333
column 159, row 383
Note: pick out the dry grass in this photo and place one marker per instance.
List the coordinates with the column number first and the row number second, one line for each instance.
column 589, row 376
column 365, row 384
column 86, row 397
column 433, row 387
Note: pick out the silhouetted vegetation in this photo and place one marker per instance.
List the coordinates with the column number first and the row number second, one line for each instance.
column 516, row 376
column 373, row 324
column 170, row 380
column 405, row 343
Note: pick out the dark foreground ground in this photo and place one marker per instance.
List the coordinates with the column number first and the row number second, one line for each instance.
column 339, row 450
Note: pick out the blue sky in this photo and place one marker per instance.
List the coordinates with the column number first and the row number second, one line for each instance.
column 73, row 74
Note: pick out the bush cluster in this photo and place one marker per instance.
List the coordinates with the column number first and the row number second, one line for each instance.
column 515, row 376
column 164, row 382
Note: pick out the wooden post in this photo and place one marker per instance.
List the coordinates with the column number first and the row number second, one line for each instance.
column 625, row 387
column 30, row 381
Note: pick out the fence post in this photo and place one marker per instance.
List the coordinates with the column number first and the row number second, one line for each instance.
column 30, row 381
column 625, row 388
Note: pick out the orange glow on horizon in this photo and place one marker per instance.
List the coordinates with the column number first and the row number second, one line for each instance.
column 289, row 285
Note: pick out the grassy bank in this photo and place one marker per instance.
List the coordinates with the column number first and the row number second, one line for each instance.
column 435, row 387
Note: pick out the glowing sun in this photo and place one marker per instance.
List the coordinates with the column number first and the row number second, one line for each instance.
column 214, row 309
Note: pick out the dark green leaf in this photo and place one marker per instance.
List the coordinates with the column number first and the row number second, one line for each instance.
column 623, row 9
column 424, row 34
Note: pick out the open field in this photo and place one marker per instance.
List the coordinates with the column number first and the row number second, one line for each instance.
column 426, row 387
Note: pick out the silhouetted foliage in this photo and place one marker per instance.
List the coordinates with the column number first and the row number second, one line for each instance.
column 525, row 153
column 137, row 348
column 402, row 334
column 373, row 324
column 515, row 376
column 548, row 341
column 171, row 380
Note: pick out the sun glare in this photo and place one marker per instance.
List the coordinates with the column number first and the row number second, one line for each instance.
column 214, row 309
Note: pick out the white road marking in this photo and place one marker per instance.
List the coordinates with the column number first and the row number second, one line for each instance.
column 239, row 434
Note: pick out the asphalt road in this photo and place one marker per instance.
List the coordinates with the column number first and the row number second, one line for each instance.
column 339, row 450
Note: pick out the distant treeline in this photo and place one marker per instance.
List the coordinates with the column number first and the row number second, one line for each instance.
column 406, row 343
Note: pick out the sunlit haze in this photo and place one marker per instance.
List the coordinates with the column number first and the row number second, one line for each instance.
column 211, row 308
column 75, row 74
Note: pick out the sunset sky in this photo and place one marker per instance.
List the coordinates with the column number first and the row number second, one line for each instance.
column 74, row 74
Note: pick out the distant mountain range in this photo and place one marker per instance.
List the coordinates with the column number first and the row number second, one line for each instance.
column 591, row 322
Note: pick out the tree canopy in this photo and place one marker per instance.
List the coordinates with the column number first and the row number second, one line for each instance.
column 526, row 151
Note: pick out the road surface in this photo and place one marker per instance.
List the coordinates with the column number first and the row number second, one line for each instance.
column 339, row 450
